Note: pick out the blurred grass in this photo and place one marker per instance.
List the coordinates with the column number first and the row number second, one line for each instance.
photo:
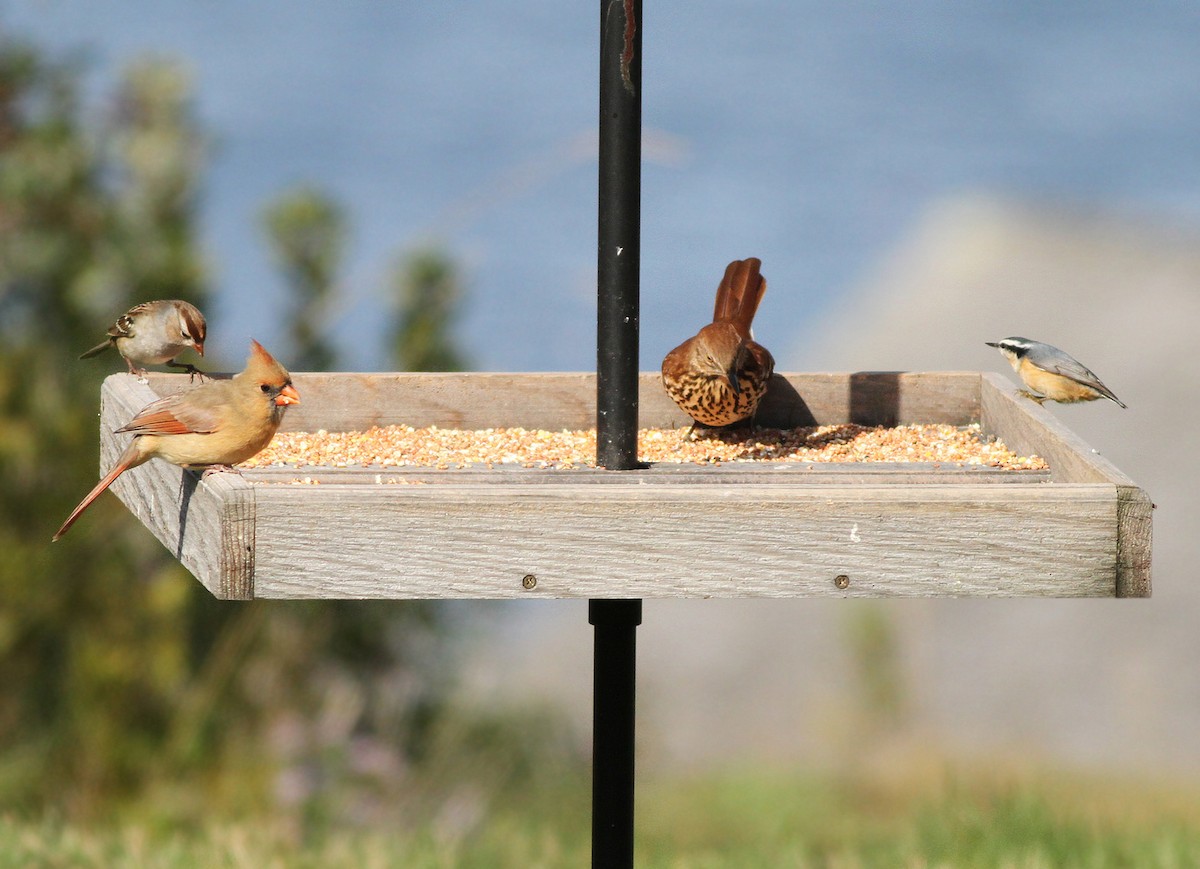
column 929, row 818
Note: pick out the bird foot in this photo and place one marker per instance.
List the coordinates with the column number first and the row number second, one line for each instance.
column 219, row 469
column 139, row 373
column 192, row 371
column 1040, row 399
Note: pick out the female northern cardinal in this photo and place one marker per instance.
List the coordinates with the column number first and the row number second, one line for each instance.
column 153, row 333
column 221, row 422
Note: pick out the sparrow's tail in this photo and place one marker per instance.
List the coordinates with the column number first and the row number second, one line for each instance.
column 98, row 349
column 740, row 292
column 129, row 459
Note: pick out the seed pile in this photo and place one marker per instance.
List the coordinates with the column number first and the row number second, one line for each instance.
column 404, row 446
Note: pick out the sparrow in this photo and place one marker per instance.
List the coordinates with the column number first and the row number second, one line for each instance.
column 154, row 333
column 215, row 425
column 1051, row 373
column 718, row 376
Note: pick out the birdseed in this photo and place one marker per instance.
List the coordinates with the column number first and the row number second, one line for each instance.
column 405, row 446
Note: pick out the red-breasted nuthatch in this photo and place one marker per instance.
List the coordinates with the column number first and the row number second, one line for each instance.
column 1051, row 373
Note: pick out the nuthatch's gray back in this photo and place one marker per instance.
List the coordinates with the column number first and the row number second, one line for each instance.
column 1051, row 373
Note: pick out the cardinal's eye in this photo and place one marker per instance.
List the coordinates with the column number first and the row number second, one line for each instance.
column 265, row 387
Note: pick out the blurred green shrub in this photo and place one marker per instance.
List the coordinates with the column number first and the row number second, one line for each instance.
column 307, row 231
column 427, row 288
column 94, row 641
column 126, row 687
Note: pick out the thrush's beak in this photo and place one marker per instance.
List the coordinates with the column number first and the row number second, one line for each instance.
column 734, row 383
column 287, row 395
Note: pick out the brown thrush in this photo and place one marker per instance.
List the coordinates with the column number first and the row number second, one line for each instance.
column 719, row 376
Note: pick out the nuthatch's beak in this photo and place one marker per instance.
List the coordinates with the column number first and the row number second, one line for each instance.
column 287, row 395
column 991, row 343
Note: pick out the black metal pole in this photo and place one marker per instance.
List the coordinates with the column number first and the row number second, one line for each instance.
column 618, row 263
column 619, row 238
column 614, row 672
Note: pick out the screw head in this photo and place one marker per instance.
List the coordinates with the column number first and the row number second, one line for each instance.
column 841, row 581
column 528, row 581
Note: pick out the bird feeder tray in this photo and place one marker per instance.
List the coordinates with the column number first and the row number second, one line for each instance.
column 746, row 529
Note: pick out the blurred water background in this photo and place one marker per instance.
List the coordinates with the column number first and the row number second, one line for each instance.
column 917, row 179
column 809, row 134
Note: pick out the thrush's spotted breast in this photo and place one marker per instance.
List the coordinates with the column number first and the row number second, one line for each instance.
column 718, row 376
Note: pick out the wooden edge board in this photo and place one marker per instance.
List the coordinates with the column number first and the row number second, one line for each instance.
column 705, row 492
column 886, row 398
column 816, row 473
column 234, row 570
column 1134, row 542
column 350, row 401
column 207, row 524
column 762, row 540
column 1028, row 428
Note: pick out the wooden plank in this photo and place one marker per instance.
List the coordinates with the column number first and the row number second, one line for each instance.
column 663, row 473
column 1028, row 428
column 349, row 401
column 352, row 401
column 232, row 577
column 872, row 398
column 684, row 541
column 1134, row 542
column 207, row 524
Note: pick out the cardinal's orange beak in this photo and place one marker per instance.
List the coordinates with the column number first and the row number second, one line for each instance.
column 287, row 395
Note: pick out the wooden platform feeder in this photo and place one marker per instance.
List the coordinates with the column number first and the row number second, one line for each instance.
column 1082, row 528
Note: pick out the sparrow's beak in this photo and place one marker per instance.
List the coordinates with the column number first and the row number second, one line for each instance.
column 199, row 345
column 287, row 395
